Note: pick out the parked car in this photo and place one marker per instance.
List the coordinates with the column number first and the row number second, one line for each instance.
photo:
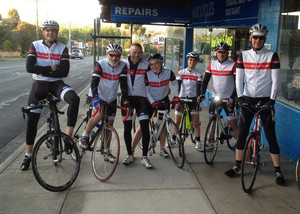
column 76, row 53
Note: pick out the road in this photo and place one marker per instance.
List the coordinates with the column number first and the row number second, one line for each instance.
column 15, row 85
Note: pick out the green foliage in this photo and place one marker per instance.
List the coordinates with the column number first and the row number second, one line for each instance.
column 8, row 46
column 176, row 32
column 148, row 48
column 62, row 39
column 13, row 14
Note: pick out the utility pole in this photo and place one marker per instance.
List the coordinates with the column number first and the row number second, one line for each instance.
column 70, row 42
column 37, row 20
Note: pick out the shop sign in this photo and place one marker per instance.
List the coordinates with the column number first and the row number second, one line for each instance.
column 214, row 13
column 149, row 14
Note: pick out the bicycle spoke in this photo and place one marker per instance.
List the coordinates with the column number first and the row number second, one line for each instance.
column 211, row 141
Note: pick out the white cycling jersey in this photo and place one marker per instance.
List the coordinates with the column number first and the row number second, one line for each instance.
column 46, row 56
column 189, row 82
column 138, row 87
column 109, row 79
column 223, row 77
column 259, row 71
column 158, row 85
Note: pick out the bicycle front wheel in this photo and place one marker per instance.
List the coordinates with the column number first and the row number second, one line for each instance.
column 298, row 172
column 175, row 144
column 211, row 141
column 105, row 155
column 250, row 163
column 231, row 141
column 53, row 168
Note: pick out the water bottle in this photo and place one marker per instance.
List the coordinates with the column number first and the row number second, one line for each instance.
column 224, row 121
column 93, row 132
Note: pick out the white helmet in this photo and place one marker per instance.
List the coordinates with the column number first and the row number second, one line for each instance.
column 258, row 30
column 114, row 47
column 193, row 55
column 50, row 23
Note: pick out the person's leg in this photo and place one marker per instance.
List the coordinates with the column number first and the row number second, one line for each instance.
column 162, row 139
column 136, row 138
column 234, row 125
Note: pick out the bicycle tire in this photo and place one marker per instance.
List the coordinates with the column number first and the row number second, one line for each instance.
column 182, row 129
column 298, row 172
column 55, row 175
column 210, row 154
column 250, row 163
column 193, row 136
column 231, row 141
column 177, row 149
column 102, row 164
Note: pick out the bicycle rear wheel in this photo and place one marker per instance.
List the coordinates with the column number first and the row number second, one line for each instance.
column 211, row 141
column 105, row 155
column 52, row 167
column 231, row 141
column 176, row 146
column 250, row 163
column 298, row 172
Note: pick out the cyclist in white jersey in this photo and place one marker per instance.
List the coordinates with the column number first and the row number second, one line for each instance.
column 107, row 75
column 157, row 85
column 137, row 68
column 222, row 71
column 189, row 86
column 257, row 80
column 48, row 61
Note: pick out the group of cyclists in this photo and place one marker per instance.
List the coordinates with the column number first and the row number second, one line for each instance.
column 145, row 86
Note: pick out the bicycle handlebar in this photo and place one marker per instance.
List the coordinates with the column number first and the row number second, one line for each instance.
column 260, row 108
column 119, row 107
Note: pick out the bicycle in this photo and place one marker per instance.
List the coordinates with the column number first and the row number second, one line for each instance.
column 53, row 168
column 217, row 131
column 251, row 155
column 104, row 144
column 298, row 172
column 186, row 125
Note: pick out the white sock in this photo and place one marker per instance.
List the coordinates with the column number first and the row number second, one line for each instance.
column 28, row 155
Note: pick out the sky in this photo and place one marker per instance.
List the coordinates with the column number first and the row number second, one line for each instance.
column 79, row 13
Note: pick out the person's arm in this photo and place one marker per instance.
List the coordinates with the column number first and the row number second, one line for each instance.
column 207, row 76
column 95, row 80
column 234, row 89
column 239, row 79
column 275, row 75
column 123, row 83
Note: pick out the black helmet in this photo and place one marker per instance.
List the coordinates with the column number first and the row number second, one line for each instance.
column 222, row 46
column 157, row 56
column 259, row 30
column 114, row 47
column 193, row 55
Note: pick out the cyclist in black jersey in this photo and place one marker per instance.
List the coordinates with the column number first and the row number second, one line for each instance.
column 257, row 80
column 48, row 61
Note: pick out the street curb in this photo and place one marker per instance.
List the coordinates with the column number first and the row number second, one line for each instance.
column 21, row 149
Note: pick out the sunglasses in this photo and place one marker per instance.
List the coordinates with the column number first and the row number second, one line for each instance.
column 50, row 29
column 258, row 37
column 154, row 63
column 115, row 55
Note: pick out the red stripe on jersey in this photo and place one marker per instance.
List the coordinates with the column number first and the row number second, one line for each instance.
column 222, row 73
column 159, row 84
column 110, row 76
column 257, row 66
column 189, row 77
column 55, row 56
column 141, row 71
column 42, row 55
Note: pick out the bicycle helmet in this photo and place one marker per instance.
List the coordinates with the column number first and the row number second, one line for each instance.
column 259, row 30
column 114, row 47
column 193, row 55
column 50, row 23
column 157, row 56
column 222, row 46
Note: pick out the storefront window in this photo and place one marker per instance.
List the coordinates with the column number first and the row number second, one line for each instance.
column 289, row 53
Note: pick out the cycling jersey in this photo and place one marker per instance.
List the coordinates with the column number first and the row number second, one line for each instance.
column 158, row 84
column 136, row 77
column 189, row 82
column 106, row 86
column 260, row 72
column 57, row 55
column 223, row 78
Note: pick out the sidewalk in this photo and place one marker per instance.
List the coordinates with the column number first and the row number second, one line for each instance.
column 197, row 188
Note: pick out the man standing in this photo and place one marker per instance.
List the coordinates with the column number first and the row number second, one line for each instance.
column 48, row 61
column 258, row 70
column 137, row 68
column 222, row 72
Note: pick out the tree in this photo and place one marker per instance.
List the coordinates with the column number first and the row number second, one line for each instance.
column 26, row 34
column 14, row 16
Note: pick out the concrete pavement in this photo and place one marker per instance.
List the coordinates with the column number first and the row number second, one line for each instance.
column 197, row 188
